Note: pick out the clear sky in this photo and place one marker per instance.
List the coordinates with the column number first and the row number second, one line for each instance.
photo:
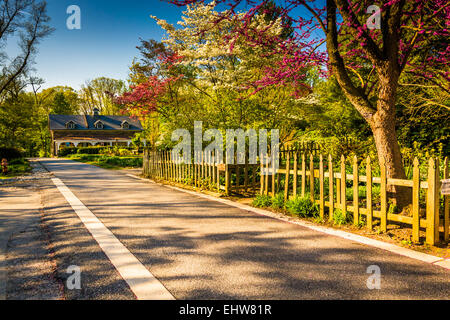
column 106, row 43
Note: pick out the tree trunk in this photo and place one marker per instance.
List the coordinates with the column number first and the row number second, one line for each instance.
column 383, row 123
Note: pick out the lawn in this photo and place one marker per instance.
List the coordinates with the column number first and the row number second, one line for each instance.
column 16, row 168
column 108, row 162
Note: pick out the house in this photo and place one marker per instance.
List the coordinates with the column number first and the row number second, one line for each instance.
column 91, row 130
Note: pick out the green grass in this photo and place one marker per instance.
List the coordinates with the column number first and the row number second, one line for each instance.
column 16, row 168
column 108, row 162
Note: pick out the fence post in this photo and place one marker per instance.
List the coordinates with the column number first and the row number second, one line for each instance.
column 267, row 175
column 227, row 179
column 446, row 205
column 355, row 191
column 415, row 201
column 295, row 173
column 322, row 188
column 303, row 174
column 433, row 202
column 311, row 177
column 343, row 186
column 369, row 215
column 286, row 179
column 274, row 175
column 383, row 195
column 261, row 174
column 331, row 187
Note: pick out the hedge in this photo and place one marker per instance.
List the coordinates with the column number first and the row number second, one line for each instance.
column 10, row 154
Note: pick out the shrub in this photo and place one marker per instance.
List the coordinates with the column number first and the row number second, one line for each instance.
column 91, row 150
column 67, row 151
column 339, row 218
column 302, row 207
column 262, row 201
column 278, row 201
column 10, row 154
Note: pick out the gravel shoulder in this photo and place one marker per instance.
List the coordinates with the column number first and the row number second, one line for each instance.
column 26, row 266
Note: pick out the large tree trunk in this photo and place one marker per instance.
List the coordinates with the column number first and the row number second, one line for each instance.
column 385, row 136
column 383, row 123
column 381, row 117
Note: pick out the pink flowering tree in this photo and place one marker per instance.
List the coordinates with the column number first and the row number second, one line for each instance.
column 366, row 45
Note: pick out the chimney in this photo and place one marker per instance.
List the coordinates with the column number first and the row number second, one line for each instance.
column 96, row 112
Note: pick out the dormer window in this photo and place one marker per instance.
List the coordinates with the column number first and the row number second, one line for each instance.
column 99, row 125
column 70, row 125
column 125, row 125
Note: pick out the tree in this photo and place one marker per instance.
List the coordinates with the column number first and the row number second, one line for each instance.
column 99, row 93
column 27, row 20
column 367, row 62
column 194, row 76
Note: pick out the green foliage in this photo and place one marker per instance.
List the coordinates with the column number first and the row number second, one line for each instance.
column 67, row 151
column 302, row 207
column 109, row 162
column 262, row 201
column 339, row 218
column 278, row 201
column 10, row 154
column 17, row 167
column 91, row 150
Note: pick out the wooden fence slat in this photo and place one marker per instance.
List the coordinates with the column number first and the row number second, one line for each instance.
column 303, row 175
column 267, row 175
column 246, row 175
column 415, row 200
column 343, row 187
column 446, row 205
column 383, row 195
column 433, row 202
column 331, row 188
column 273, row 177
column 322, row 188
column 355, row 191
column 261, row 174
column 286, row 179
column 295, row 182
column 369, row 214
column 311, row 177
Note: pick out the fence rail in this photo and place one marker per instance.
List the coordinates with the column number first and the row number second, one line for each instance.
column 351, row 188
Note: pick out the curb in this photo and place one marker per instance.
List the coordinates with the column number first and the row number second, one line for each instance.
column 424, row 257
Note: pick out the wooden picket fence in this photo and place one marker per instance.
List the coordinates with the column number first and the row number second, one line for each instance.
column 301, row 174
column 230, row 179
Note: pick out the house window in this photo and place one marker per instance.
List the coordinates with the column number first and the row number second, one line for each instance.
column 70, row 125
column 99, row 125
column 125, row 125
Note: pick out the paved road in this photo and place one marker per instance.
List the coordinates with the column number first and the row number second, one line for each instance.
column 202, row 249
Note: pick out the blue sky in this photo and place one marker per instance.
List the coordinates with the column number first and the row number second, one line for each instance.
column 106, row 43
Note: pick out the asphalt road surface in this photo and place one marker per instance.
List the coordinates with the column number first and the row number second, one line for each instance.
column 203, row 249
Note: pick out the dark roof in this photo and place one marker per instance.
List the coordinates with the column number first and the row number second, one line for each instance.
column 58, row 122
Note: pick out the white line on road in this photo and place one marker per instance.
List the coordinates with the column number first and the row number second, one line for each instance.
column 141, row 281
